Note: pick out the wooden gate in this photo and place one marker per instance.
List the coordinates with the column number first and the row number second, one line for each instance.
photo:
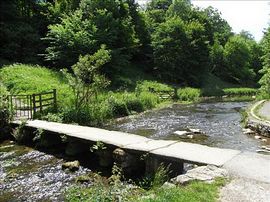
column 27, row 106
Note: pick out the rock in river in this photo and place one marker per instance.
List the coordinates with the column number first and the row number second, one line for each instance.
column 72, row 165
column 248, row 131
column 181, row 133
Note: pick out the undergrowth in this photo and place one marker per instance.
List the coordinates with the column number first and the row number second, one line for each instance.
column 117, row 189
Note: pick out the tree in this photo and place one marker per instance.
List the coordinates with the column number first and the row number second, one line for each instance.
column 141, row 31
column 156, row 13
column 256, row 53
column 96, row 22
column 21, row 27
column 238, row 57
column 87, row 79
column 218, row 28
column 265, row 80
column 180, row 51
column 20, row 38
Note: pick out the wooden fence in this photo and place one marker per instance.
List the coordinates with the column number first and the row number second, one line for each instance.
column 27, row 106
column 165, row 94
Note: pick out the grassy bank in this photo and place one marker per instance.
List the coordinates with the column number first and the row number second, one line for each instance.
column 113, row 189
column 105, row 105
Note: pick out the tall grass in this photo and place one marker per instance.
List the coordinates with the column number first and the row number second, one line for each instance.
column 189, row 94
column 110, row 105
column 143, row 86
column 240, row 91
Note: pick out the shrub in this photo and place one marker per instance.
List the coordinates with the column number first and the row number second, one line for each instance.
column 118, row 105
column 143, row 86
column 133, row 102
column 148, row 100
column 3, row 97
column 240, row 91
column 5, row 114
column 110, row 190
column 57, row 117
column 189, row 94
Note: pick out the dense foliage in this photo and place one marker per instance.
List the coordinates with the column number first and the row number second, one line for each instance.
column 175, row 41
column 168, row 41
column 265, row 80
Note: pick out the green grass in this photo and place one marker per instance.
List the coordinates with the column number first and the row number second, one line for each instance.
column 194, row 192
column 240, row 91
column 189, row 94
column 29, row 79
column 143, row 86
column 150, row 189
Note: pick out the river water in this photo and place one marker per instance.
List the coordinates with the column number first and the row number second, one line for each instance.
column 30, row 175
column 220, row 123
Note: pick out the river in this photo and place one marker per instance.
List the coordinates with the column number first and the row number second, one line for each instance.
column 27, row 174
column 220, row 123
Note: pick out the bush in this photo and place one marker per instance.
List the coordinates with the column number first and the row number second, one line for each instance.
column 5, row 115
column 240, row 91
column 143, row 86
column 107, row 106
column 91, row 115
column 189, row 94
column 149, row 100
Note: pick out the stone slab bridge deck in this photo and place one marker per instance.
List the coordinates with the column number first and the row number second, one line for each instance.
column 175, row 151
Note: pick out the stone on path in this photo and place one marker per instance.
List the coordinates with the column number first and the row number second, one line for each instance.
column 203, row 173
column 198, row 154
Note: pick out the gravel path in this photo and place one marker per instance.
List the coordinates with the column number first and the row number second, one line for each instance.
column 250, row 174
column 245, row 190
column 265, row 111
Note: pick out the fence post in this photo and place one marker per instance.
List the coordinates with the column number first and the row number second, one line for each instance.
column 175, row 93
column 40, row 103
column 54, row 100
column 34, row 105
column 31, row 106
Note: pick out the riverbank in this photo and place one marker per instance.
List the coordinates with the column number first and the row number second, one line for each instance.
column 107, row 104
column 257, row 118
